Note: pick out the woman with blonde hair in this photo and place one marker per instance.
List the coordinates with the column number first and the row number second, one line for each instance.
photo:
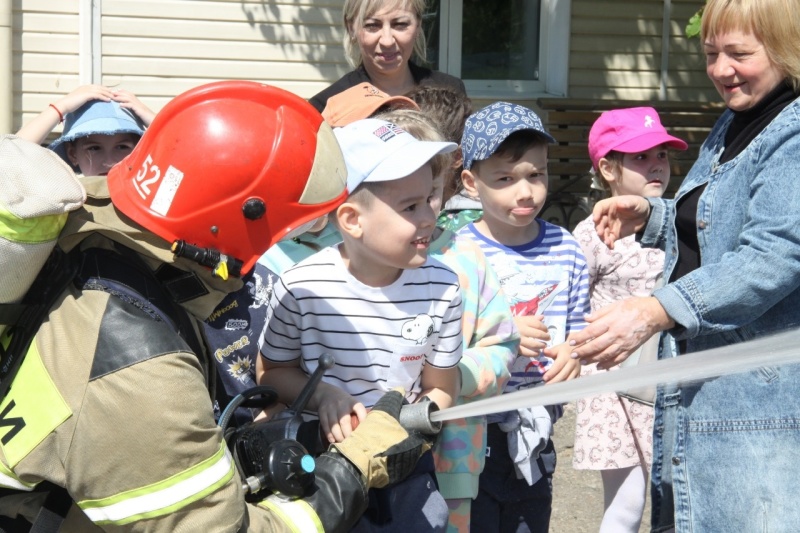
column 724, row 449
column 385, row 45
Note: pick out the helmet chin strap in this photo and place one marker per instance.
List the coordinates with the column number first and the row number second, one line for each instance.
column 221, row 265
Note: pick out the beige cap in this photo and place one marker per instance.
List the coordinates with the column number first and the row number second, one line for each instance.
column 359, row 102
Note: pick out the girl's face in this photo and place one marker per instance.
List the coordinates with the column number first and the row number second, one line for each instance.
column 94, row 155
column 738, row 65
column 387, row 40
column 643, row 173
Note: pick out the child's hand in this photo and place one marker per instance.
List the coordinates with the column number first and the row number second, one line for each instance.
column 564, row 366
column 129, row 101
column 269, row 412
column 620, row 216
column 335, row 410
column 533, row 334
column 85, row 93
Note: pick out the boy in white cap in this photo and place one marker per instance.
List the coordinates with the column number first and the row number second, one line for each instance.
column 389, row 314
column 543, row 274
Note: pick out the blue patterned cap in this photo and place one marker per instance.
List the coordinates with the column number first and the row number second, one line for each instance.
column 486, row 129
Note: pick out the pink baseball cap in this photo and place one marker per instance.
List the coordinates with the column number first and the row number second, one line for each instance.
column 629, row 130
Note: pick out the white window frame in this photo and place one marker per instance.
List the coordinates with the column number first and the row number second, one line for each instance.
column 553, row 59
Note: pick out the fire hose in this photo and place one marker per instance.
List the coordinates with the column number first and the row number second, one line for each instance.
column 277, row 455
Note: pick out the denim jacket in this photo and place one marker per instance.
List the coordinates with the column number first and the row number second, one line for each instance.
column 725, row 450
column 748, row 229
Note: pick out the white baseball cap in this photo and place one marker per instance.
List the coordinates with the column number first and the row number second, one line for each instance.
column 376, row 150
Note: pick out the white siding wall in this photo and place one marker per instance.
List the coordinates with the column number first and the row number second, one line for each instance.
column 45, row 54
column 615, row 51
column 687, row 80
column 160, row 48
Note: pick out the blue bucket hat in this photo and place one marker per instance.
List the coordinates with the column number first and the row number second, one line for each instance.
column 96, row 118
column 486, row 129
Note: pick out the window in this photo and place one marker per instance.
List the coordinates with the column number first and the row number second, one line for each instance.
column 501, row 47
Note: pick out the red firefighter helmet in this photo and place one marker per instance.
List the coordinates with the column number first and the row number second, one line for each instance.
column 231, row 167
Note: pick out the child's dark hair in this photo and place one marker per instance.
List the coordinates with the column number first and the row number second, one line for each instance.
column 449, row 109
column 516, row 144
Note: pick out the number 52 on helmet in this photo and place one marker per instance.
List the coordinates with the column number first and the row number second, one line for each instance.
column 228, row 169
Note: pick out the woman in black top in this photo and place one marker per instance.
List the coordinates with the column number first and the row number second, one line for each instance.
column 385, row 44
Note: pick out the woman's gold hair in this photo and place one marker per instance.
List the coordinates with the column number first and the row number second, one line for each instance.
column 776, row 23
column 357, row 11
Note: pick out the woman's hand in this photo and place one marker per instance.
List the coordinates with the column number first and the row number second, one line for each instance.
column 616, row 331
column 619, row 217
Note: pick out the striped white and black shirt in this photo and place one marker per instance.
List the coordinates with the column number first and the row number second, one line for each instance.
column 380, row 336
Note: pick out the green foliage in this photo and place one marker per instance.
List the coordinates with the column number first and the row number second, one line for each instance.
column 693, row 27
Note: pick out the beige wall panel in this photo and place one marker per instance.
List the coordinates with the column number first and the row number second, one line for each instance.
column 615, row 78
column 60, row 44
column 56, row 23
column 159, row 48
column 222, row 50
column 619, row 93
column 617, row 10
column 622, row 26
column 223, row 11
column 168, row 88
column 215, row 30
column 44, row 54
column 633, row 61
column 616, row 51
column 201, row 68
column 47, row 6
column 605, row 45
column 38, row 84
column 46, row 63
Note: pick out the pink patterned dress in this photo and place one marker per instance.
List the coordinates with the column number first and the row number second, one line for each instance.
column 613, row 432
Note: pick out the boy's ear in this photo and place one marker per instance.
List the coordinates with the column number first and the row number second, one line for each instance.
column 348, row 219
column 468, row 179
